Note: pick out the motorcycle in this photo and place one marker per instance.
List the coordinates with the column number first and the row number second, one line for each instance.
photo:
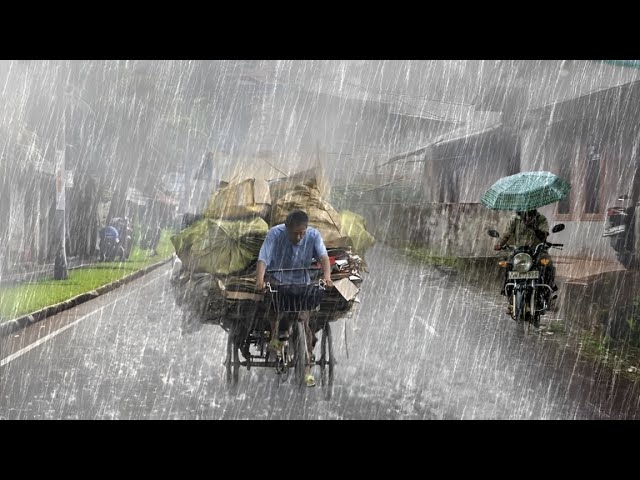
column 125, row 233
column 619, row 226
column 528, row 279
column 110, row 247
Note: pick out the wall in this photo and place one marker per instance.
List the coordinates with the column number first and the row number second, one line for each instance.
column 607, row 121
column 446, row 229
column 461, row 171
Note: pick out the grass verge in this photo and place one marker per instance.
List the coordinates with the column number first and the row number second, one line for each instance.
column 621, row 356
column 424, row 255
column 21, row 300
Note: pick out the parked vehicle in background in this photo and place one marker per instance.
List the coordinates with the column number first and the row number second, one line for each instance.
column 619, row 226
column 110, row 247
column 125, row 232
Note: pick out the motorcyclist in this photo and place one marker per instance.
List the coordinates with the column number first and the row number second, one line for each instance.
column 109, row 238
column 529, row 228
column 526, row 228
column 125, row 233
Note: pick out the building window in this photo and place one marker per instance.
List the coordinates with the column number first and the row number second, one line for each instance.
column 592, row 179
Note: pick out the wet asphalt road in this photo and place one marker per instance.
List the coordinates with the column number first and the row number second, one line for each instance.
column 421, row 345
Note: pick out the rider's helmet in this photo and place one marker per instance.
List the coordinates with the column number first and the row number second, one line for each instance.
column 111, row 233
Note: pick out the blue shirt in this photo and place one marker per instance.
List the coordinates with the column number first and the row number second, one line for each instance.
column 278, row 252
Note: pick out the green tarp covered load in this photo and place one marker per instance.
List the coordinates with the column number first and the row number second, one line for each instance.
column 219, row 253
column 354, row 227
column 220, row 247
column 200, row 293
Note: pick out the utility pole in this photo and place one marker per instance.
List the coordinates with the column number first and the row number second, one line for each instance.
column 60, row 271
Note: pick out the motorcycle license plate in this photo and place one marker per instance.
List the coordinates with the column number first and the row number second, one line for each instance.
column 523, row 276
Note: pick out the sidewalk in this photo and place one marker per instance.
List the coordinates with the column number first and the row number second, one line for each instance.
column 580, row 271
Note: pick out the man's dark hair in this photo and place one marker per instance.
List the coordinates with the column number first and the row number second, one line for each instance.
column 295, row 218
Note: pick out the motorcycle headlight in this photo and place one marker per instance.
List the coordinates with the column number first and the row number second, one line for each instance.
column 522, row 262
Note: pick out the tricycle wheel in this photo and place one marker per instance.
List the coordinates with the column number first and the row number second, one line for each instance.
column 233, row 360
column 300, row 354
column 327, row 361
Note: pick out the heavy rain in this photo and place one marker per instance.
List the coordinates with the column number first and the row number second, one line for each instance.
column 135, row 196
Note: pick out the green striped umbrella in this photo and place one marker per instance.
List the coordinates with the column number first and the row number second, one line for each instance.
column 525, row 191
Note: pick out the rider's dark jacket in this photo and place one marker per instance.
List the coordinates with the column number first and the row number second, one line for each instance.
column 518, row 233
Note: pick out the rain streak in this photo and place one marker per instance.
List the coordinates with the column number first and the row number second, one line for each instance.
column 319, row 239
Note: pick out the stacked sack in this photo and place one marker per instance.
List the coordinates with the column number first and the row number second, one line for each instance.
column 219, row 252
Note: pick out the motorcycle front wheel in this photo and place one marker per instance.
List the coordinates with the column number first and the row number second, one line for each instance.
column 518, row 306
column 532, row 318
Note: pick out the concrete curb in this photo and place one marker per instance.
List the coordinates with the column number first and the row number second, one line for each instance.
column 10, row 326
